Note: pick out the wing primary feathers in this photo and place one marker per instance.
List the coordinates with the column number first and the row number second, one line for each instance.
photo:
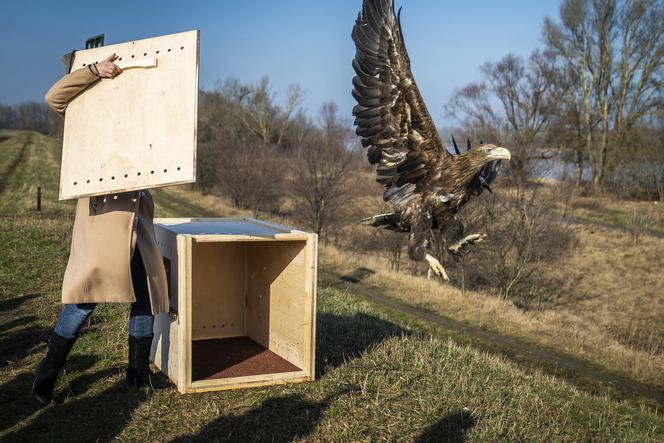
column 391, row 117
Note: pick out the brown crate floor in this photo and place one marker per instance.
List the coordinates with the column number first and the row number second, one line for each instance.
column 234, row 357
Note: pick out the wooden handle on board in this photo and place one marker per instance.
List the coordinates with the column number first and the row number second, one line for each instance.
column 149, row 62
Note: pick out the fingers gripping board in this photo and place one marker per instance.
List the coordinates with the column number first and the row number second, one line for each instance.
column 138, row 130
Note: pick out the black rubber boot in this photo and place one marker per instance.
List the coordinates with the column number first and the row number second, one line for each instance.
column 138, row 367
column 49, row 367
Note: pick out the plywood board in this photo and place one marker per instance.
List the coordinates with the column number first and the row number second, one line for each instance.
column 217, row 290
column 166, row 328
column 278, row 298
column 136, row 131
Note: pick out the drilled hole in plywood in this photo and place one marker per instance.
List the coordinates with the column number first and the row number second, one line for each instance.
column 132, row 56
column 87, row 181
column 113, row 177
column 138, row 173
column 181, row 47
column 151, row 172
column 169, row 49
column 157, row 52
column 101, row 179
column 165, row 170
column 75, row 183
column 126, row 175
column 84, row 64
column 144, row 54
column 179, row 168
column 120, row 58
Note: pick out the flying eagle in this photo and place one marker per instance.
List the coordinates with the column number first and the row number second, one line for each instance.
column 426, row 184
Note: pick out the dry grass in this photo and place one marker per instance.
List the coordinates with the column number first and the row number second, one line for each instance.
column 608, row 313
column 398, row 388
column 603, row 209
column 612, row 317
column 378, row 378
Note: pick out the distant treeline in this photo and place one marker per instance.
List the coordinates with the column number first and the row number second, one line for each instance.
column 32, row 116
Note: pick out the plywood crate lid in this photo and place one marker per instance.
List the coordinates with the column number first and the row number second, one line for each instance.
column 231, row 227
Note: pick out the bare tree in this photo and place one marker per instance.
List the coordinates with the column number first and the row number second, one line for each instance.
column 253, row 175
column 261, row 117
column 614, row 50
column 525, row 92
column 30, row 116
column 322, row 169
column 294, row 97
column 524, row 236
column 238, row 117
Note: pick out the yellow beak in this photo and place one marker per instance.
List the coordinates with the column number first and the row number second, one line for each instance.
column 499, row 154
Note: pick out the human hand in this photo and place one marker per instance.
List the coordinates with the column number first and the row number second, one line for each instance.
column 108, row 69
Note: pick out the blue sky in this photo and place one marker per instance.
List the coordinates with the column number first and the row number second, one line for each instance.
column 292, row 41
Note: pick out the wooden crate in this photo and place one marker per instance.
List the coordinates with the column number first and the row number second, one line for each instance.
column 243, row 304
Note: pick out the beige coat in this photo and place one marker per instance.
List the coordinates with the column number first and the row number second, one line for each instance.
column 106, row 230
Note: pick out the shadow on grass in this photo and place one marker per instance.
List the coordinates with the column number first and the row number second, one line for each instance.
column 99, row 417
column 82, row 384
column 340, row 338
column 451, row 428
column 20, row 343
column 277, row 419
column 358, row 275
column 13, row 303
column 17, row 322
column 16, row 400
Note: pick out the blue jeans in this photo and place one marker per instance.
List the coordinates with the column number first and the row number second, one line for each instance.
column 141, row 319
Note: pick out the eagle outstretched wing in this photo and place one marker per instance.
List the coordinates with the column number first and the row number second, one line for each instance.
column 391, row 117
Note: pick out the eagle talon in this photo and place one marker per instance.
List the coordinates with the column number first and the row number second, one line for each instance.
column 463, row 244
column 436, row 268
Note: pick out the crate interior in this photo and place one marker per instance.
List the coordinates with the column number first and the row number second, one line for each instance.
column 249, row 303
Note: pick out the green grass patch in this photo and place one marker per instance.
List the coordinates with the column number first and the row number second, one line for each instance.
column 380, row 376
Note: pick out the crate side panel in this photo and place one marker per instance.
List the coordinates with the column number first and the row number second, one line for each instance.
column 217, row 290
column 277, row 298
column 166, row 327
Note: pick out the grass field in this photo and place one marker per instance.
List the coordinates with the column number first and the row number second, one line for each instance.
column 380, row 376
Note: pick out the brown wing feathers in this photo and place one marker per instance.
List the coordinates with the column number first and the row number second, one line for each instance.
column 390, row 116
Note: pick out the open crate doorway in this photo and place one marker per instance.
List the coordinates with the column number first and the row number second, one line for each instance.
column 236, row 327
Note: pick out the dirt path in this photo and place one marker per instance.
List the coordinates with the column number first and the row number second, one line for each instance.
column 611, row 226
column 4, row 179
column 587, row 376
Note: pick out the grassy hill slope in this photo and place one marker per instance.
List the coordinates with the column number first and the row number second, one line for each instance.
column 378, row 377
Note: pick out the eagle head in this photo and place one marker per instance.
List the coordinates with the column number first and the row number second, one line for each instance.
column 477, row 158
column 489, row 152
column 485, row 163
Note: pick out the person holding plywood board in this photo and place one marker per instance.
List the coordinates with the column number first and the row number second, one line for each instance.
column 114, row 258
